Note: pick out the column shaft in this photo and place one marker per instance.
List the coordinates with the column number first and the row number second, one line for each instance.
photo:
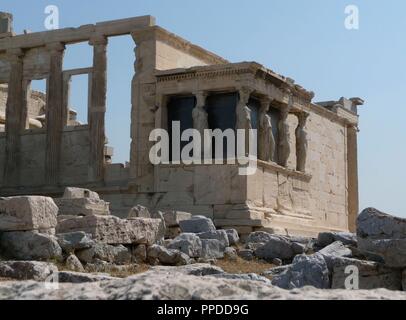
column 97, row 109
column 54, row 115
column 15, row 121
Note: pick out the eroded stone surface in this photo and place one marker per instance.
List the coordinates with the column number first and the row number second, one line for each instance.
column 27, row 270
column 113, row 230
column 27, row 213
column 30, row 245
column 157, row 285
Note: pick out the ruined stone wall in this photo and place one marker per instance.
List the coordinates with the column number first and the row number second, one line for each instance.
column 36, row 102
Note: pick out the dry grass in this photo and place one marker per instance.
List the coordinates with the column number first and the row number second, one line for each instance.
column 135, row 269
column 240, row 266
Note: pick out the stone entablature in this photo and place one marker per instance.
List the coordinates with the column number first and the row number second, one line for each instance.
column 306, row 180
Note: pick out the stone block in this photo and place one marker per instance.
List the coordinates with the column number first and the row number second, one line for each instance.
column 212, row 249
column 188, row 243
column 119, row 254
column 173, row 218
column 27, row 270
column 169, row 257
column 27, row 213
column 113, row 230
column 29, row 245
column 233, row 237
column 371, row 275
column 220, row 235
column 79, row 193
column 139, row 212
column 70, row 242
column 82, row 207
column 197, row 224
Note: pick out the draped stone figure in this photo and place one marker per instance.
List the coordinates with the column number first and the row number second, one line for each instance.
column 199, row 114
column 243, row 113
column 201, row 120
column 267, row 142
column 269, row 139
column 284, row 138
column 301, row 143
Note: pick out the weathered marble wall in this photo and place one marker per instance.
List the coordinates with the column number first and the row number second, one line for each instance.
column 327, row 163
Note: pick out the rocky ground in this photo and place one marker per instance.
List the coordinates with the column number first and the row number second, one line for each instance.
column 72, row 248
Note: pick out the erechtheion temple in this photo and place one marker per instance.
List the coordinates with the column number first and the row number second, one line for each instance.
column 306, row 181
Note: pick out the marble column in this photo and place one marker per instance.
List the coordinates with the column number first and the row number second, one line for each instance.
column 15, row 121
column 97, row 109
column 301, row 142
column 54, row 115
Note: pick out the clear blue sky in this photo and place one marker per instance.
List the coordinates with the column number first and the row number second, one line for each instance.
column 305, row 40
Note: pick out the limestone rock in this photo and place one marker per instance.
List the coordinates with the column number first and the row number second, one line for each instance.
column 220, row 235
column 79, row 277
column 113, row 230
column 404, row 280
column 304, row 271
column 230, row 253
column 277, row 262
column 29, row 245
column 246, row 254
column 172, row 232
column 298, row 248
column 27, row 213
column 243, row 276
column 326, row 238
column 276, row 247
column 27, row 270
column 82, row 207
column 173, row 218
column 233, row 237
column 168, row 256
column 188, row 243
column 70, row 242
column 374, row 224
column 393, row 251
column 197, row 269
column 259, row 237
column 162, row 285
column 275, row 271
column 139, row 212
column 79, row 193
column 212, row 249
column 140, row 253
column 119, row 254
column 371, row 275
column 73, row 263
column 384, row 235
column 334, row 250
column 197, row 224
column 99, row 266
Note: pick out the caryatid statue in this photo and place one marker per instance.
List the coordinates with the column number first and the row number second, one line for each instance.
column 200, row 118
column 267, row 142
column 284, row 134
column 243, row 113
column 301, row 142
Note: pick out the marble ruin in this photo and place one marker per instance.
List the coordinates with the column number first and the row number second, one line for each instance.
column 307, row 177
